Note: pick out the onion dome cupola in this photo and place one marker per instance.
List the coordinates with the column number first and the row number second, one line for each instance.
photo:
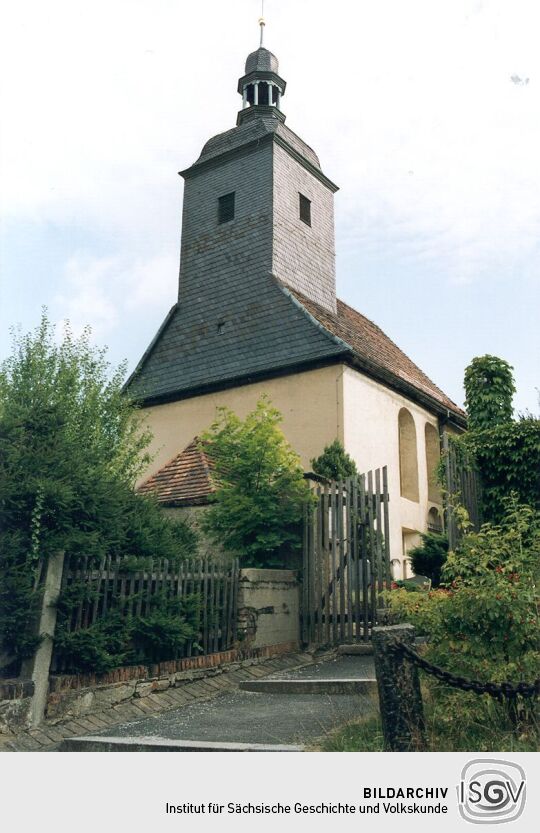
column 261, row 87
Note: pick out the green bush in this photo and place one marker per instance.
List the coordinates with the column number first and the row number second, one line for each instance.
column 429, row 557
column 505, row 452
column 97, row 649
column 334, row 463
column 71, row 448
column 508, row 459
column 119, row 639
column 261, row 491
column 484, row 623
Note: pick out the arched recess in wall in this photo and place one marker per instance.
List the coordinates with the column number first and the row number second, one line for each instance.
column 408, row 456
column 434, row 520
column 432, row 461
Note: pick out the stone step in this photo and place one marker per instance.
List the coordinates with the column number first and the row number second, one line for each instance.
column 151, row 744
column 307, row 686
column 356, row 649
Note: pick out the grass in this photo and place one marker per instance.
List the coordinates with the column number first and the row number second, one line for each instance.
column 455, row 723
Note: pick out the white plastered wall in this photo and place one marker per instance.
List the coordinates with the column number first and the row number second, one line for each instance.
column 371, row 437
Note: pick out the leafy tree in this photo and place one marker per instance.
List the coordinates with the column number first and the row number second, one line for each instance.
column 505, row 452
column 261, row 490
column 428, row 558
column 71, row 447
column 334, row 463
column 508, row 459
column 489, row 388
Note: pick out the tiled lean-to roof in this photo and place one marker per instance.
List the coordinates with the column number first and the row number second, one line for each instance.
column 373, row 347
column 185, row 481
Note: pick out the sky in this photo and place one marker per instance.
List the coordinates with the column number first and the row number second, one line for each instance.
column 425, row 113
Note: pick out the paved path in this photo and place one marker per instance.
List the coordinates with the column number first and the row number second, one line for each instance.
column 212, row 709
column 263, row 718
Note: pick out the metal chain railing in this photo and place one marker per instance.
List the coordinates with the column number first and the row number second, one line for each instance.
column 497, row 690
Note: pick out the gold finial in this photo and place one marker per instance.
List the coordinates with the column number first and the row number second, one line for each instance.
column 262, row 23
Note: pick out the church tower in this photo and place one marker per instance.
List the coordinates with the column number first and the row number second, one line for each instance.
column 256, row 201
column 258, row 216
column 257, row 315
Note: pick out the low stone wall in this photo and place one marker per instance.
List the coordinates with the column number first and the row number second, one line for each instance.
column 76, row 695
column 15, row 703
column 268, row 607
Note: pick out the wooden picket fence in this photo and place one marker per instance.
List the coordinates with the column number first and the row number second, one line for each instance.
column 110, row 586
column 463, row 487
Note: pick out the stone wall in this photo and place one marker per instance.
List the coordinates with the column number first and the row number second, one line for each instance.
column 268, row 607
column 15, row 703
column 78, row 695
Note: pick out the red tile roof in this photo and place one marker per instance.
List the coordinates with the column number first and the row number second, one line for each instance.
column 185, row 481
column 375, row 350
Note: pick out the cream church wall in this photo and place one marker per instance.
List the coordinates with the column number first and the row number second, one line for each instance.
column 371, row 437
column 317, row 406
column 310, row 402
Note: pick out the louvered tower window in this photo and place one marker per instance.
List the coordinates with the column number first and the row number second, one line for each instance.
column 305, row 209
column 226, row 208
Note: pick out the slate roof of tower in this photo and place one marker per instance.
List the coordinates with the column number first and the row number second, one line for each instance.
column 263, row 60
column 250, row 131
column 185, row 481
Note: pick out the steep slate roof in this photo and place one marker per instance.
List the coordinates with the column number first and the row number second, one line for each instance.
column 266, row 333
column 251, row 131
column 373, row 348
column 280, row 331
column 185, row 481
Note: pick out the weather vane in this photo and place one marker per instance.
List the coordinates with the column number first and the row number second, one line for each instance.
column 261, row 21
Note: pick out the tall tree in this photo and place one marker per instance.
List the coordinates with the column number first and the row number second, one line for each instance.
column 71, row 448
column 261, row 489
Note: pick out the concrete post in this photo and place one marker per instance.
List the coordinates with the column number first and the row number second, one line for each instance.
column 400, row 699
column 37, row 668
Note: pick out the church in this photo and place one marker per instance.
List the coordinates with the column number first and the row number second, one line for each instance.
column 257, row 313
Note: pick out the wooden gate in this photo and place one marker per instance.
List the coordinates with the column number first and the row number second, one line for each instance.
column 346, row 563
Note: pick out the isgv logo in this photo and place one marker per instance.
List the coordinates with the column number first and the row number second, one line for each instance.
column 491, row 791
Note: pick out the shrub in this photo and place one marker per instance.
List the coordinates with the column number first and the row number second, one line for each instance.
column 261, row 491
column 484, row 624
column 120, row 639
column 508, row 459
column 334, row 463
column 71, row 447
column 428, row 558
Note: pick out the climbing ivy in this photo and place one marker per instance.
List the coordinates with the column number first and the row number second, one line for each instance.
column 508, row 459
column 489, row 388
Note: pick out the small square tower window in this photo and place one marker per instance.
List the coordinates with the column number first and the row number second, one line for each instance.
column 305, row 209
column 226, row 208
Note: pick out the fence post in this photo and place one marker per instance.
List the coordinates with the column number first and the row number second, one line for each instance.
column 400, row 699
column 37, row 667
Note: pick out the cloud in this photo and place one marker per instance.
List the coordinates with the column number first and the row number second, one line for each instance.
column 420, row 111
column 108, row 292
